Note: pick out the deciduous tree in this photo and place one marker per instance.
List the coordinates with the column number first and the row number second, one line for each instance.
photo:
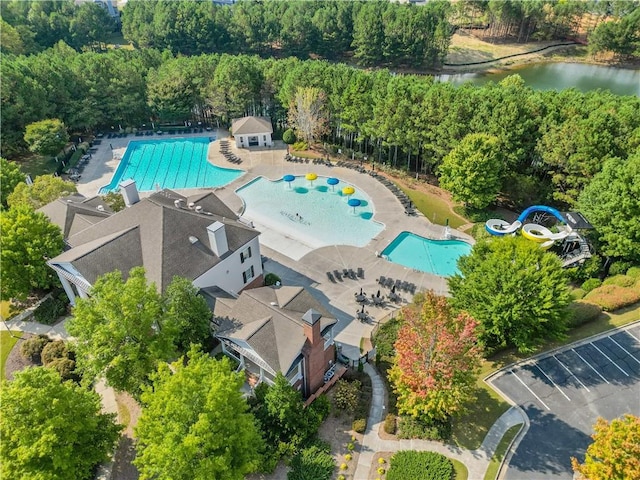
column 45, row 189
column 473, row 170
column 10, row 176
column 307, row 113
column 119, row 333
column 187, row 313
column 436, row 358
column 46, row 137
column 28, row 240
column 611, row 202
column 516, row 291
column 195, row 424
column 615, row 451
column 52, row 429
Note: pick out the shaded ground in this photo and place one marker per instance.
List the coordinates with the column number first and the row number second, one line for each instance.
column 128, row 414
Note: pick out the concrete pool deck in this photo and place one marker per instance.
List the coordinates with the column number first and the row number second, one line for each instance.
column 294, row 263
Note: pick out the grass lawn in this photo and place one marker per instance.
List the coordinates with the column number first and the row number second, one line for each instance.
column 470, row 429
column 461, row 472
column 434, row 208
column 6, row 344
column 5, row 309
column 500, row 452
column 35, row 165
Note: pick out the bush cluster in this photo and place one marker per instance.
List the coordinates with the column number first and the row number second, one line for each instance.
column 580, row 313
column 620, row 280
column 410, row 427
column 390, row 424
column 31, row 348
column 419, row 466
column 300, row 146
column 590, row 284
column 613, row 297
column 347, row 395
column 271, row 279
column 359, row 425
column 49, row 311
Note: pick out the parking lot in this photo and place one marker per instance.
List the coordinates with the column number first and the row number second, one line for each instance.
column 564, row 392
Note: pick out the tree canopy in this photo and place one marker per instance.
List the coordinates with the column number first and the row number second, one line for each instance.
column 45, row 189
column 436, row 359
column 473, row 170
column 615, row 451
column 10, row 176
column 195, row 424
column 52, row 429
column 611, row 202
column 516, row 291
column 308, row 115
column 28, row 241
column 119, row 333
column 187, row 313
column 46, row 137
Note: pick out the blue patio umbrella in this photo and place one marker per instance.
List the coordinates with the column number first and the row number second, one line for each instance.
column 354, row 202
column 332, row 181
column 289, row 179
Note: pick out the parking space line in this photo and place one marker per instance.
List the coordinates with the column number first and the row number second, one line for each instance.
column 571, row 373
column 632, row 335
column 624, row 349
column 527, row 387
column 605, row 356
column 589, row 365
column 554, row 383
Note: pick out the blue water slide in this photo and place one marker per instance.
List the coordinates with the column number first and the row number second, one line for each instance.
column 540, row 208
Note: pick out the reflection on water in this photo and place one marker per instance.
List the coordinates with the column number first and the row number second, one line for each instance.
column 560, row 76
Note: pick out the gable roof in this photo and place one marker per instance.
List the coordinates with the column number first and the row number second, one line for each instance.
column 271, row 322
column 251, row 125
column 157, row 234
column 76, row 212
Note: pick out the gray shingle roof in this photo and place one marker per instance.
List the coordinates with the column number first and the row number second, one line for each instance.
column 251, row 125
column 75, row 213
column 161, row 243
column 270, row 321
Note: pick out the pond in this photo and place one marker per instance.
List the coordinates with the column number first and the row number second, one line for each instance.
column 560, row 76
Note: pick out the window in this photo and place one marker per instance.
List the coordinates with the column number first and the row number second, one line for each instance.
column 245, row 254
column 264, row 138
column 247, row 275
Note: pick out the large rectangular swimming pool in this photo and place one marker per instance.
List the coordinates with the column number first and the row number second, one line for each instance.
column 172, row 163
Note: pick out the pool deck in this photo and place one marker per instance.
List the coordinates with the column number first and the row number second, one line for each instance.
column 297, row 264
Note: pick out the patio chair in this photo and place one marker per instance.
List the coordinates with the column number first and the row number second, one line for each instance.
column 360, row 272
column 382, row 280
column 352, row 274
column 337, row 274
column 331, row 277
column 389, row 283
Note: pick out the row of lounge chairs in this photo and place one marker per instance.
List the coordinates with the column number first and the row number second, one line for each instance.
column 398, row 284
column 226, row 151
column 400, row 195
column 338, row 275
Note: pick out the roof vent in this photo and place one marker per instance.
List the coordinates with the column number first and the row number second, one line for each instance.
column 198, row 209
column 274, row 304
column 191, row 205
column 193, row 239
column 100, row 208
column 178, row 203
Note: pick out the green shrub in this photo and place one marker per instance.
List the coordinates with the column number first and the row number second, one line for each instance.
column 314, row 462
column 49, row 311
column 322, row 406
column 410, row 427
column 407, row 464
column 385, row 338
column 390, row 424
column 577, row 294
column 115, row 200
column 289, row 136
column 580, row 313
column 359, row 425
column 590, row 284
column 620, row 280
column 31, row 349
column 53, row 351
column 619, row 267
column 271, row 279
column 300, row 146
column 634, row 272
column 64, row 366
column 346, row 395
column 613, row 297
column 592, row 267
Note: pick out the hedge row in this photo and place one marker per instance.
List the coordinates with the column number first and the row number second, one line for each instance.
column 581, row 313
column 407, row 464
column 613, row 297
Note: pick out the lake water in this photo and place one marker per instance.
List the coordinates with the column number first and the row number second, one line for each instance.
column 560, row 76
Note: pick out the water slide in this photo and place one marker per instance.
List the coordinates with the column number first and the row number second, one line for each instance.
column 532, row 231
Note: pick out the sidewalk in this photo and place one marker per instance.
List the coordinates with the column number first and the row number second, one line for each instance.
column 56, row 332
column 476, row 461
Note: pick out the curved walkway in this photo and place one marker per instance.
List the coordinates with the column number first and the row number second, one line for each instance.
column 476, row 461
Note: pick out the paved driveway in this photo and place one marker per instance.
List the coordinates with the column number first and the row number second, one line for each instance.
column 563, row 393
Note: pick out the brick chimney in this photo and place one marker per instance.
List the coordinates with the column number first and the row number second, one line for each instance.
column 313, row 351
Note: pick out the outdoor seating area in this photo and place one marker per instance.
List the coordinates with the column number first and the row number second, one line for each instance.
column 346, row 273
column 314, row 161
column 395, row 285
column 225, row 150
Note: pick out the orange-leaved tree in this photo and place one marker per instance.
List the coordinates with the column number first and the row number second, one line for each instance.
column 437, row 355
column 615, row 451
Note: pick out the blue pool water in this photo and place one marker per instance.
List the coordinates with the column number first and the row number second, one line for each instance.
column 432, row 256
column 313, row 213
column 175, row 163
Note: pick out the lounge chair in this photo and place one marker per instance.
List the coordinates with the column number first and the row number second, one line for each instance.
column 389, row 283
column 382, row 280
column 337, row 274
column 345, row 272
column 405, row 286
column 398, row 284
column 360, row 272
column 331, row 277
column 352, row 274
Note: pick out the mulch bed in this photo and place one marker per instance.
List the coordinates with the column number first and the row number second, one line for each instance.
column 15, row 360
